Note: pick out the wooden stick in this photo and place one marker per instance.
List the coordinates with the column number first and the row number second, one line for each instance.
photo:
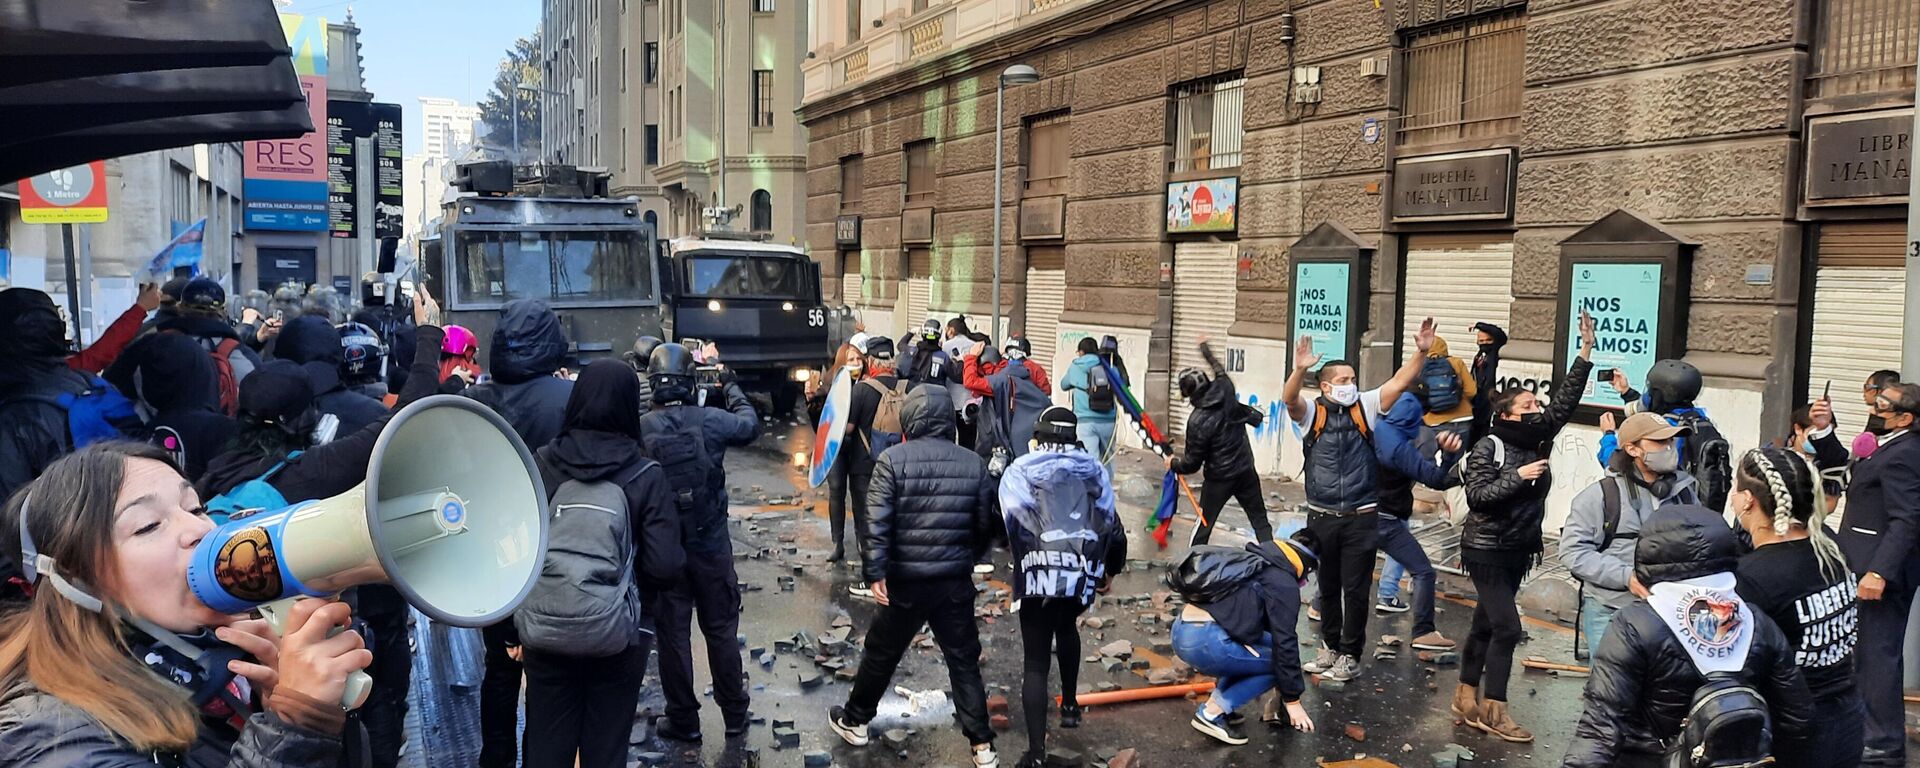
column 1197, row 511
column 1125, row 695
column 1535, row 662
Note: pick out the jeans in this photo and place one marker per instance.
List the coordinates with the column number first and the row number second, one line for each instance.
column 1595, row 617
column 1346, row 578
column 1049, row 630
column 1496, row 629
column 945, row 606
column 582, row 705
column 1097, row 438
column 1879, row 662
column 1395, row 538
column 710, row 587
column 500, row 699
column 1213, row 499
column 1240, row 675
column 1839, row 725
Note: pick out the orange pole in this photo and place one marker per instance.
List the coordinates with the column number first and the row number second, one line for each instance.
column 1125, row 695
column 1197, row 513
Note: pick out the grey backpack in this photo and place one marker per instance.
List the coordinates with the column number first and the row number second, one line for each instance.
column 585, row 602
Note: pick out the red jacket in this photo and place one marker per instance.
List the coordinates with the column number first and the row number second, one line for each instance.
column 114, row 340
column 975, row 377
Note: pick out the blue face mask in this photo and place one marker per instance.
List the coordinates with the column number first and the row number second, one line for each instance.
column 1806, row 447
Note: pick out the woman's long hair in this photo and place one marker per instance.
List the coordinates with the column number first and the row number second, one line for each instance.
column 1788, row 489
column 75, row 655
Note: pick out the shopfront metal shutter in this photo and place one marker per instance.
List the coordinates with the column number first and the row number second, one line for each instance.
column 1203, row 305
column 1046, row 299
column 919, row 289
column 1457, row 280
column 1859, row 303
column 850, row 289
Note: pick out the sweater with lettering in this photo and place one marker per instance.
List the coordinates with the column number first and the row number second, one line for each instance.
column 1818, row 615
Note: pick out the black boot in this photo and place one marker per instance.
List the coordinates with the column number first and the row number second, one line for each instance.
column 1070, row 715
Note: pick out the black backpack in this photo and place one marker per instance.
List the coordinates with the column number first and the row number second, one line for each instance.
column 1211, row 572
column 683, row 455
column 1442, row 384
column 1099, row 389
column 1709, row 459
column 1728, row 725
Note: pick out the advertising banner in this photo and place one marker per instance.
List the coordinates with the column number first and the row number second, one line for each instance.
column 1624, row 300
column 389, row 211
column 1208, row 205
column 1320, row 311
column 286, row 180
column 346, row 121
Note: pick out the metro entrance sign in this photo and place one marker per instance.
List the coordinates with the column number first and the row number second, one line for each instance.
column 76, row 195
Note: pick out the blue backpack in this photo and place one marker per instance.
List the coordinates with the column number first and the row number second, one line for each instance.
column 1442, row 383
column 249, row 497
column 99, row 413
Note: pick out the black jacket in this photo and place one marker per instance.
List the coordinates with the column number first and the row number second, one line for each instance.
column 1507, row 509
column 929, row 508
column 396, row 329
column 175, row 381
column 861, row 407
column 1881, row 527
column 719, row 429
column 527, row 347
column 314, row 343
column 208, row 332
column 1216, row 430
column 33, row 433
column 1267, row 604
column 1486, row 377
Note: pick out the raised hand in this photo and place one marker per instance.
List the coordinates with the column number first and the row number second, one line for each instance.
column 1588, row 328
column 1304, row 358
column 1423, row 341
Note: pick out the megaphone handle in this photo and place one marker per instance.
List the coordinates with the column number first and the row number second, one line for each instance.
column 359, row 683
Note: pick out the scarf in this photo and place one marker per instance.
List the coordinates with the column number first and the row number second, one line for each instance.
column 1713, row 624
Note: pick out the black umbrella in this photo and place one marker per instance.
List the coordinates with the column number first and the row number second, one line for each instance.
column 42, row 40
column 75, row 147
column 59, row 106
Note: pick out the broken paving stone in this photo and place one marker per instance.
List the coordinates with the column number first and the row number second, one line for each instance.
column 810, row 681
column 1112, row 665
column 1000, row 722
column 996, row 705
column 1162, row 676
column 895, row 738
column 1095, row 622
column 842, row 621
column 845, row 674
column 1141, row 664
column 1331, row 685
column 786, row 738
column 1389, row 641
column 1126, row 758
column 651, row 759
column 1061, row 757
column 818, row 759
column 1355, row 732
column 1118, row 649
column 1384, row 654
column 1106, row 687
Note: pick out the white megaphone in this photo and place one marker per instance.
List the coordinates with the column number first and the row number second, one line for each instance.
column 452, row 513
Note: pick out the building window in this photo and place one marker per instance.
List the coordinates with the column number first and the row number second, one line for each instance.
column 1047, row 155
column 854, row 22
column 763, row 98
column 180, row 208
column 1463, row 80
column 919, row 172
column 763, row 6
column 623, row 149
column 762, row 216
column 623, row 69
column 1864, row 46
column 653, row 62
column 1207, row 125
column 852, row 184
column 652, row 150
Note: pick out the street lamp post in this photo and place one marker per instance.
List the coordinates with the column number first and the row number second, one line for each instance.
column 1018, row 74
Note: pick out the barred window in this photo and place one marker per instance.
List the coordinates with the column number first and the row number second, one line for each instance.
column 1463, row 80
column 1207, row 124
column 1864, row 46
column 919, row 159
column 763, row 98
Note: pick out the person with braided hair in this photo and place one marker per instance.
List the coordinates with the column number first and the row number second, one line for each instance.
column 1797, row 577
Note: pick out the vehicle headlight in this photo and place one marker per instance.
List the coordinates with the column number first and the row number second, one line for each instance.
column 713, row 305
column 802, row 375
column 787, row 305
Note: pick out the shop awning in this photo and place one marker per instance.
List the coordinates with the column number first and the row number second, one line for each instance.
column 59, row 106
column 73, row 148
column 43, row 40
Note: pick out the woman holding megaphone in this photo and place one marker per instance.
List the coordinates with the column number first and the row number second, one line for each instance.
column 114, row 662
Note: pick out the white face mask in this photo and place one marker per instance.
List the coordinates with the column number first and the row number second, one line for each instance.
column 1344, row 394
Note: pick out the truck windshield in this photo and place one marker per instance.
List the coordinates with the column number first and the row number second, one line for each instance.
column 561, row 267
column 712, row 273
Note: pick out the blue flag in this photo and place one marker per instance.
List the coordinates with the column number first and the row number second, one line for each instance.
column 183, row 251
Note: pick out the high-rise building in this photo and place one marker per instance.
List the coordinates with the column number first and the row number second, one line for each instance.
column 448, row 126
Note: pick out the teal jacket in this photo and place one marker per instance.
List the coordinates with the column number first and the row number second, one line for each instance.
column 1076, row 381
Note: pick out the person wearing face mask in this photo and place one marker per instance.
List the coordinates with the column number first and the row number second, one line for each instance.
column 1238, row 626
column 1342, row 480
column 1672, row 388
column 1506, row 483
column 1879, row 533
column 1876, row 427
column 1604, row 521
column 852, row 359
column 1489, row 339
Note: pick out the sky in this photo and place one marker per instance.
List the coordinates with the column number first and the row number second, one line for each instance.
column 415, row 48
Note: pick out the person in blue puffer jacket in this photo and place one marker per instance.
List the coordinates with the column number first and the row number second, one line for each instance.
column 1410, row 452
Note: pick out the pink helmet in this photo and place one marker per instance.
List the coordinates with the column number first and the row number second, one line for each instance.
column 460, row 342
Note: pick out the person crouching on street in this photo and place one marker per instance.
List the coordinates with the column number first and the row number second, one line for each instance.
column 1067, row 544
column 930, row 510
column 1238, row 626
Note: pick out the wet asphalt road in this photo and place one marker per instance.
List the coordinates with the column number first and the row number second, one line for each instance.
column 781, row 531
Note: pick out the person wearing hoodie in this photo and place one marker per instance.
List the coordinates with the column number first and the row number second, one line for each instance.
column 1449, row 390
column 1490, row 339
column 1094, row 405
column 34, row 373
column 1597, row 541
column 1068, row 543
column 174, row 382
column 1691, row 623
column 315, row 345
column 1506, row 482
column 583, row 706
column 957, row 340
column 1410, row 452
column 202, row 316
column 1244, row 634
column 932, row 507
column 528, row 347
column 882, row 383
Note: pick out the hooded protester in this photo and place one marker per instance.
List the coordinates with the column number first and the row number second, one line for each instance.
column 1012, row 401
column 529, row 345
column 932, row 506
column 175, row 384
column 690, row 442
column 202, row 317
column 1691, row 630
column 581, row 706
column 1797, row 576
column 315, row 346
column 1217, row 443
column 1068, row 543
column 1238, row 625
column 1448, row 389
column 1597, row 542
column 1410, row 452
column 1093, row 397
column 34, row 427
column 958, row 339
column 874, row 424
column 1490, row 339
column 1506, row 484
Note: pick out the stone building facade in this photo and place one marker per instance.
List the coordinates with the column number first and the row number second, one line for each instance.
column 1716, row 179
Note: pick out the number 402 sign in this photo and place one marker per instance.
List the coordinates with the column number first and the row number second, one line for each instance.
column 1624, row 300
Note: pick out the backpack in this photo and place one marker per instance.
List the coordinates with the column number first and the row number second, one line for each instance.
column 1063, row 523
column 1728, row 725
column 1611, row 490
column 249, row 497
column 887, row 430
column 1099, row 389
column 585, row 602
column 1210, row 572
column 689, row 468
column 1442, row 384
column 1708, row 458
column 229, row 384
column 1319, row 426
column 1457, row 507
column 99, row 413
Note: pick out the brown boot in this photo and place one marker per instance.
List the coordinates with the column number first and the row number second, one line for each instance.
column 1466, row 705
column 1495, row 720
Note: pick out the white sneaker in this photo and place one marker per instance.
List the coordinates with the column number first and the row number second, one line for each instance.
column 1321, row 663
column 856, row 735
column 986, row 758
column 860, row 590
column 984, row 569
column 1347, row 668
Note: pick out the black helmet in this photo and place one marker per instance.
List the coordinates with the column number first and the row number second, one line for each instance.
column 1109, row 345
column 1057, row 426
column 1672, row 384
column 670, row 359
column 880, row 348
column 1192, row 382
column 930, row 331
column 203, row 295
column 1018, row 348
column 990, row 356
column 641, row 356
column 362, row 355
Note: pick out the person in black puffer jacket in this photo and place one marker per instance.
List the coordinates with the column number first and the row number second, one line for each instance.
column 932, row 515
column 33, row 366
column 313, row 343
column 1217, row 442
column 1506, row 485
column 1645, row 676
